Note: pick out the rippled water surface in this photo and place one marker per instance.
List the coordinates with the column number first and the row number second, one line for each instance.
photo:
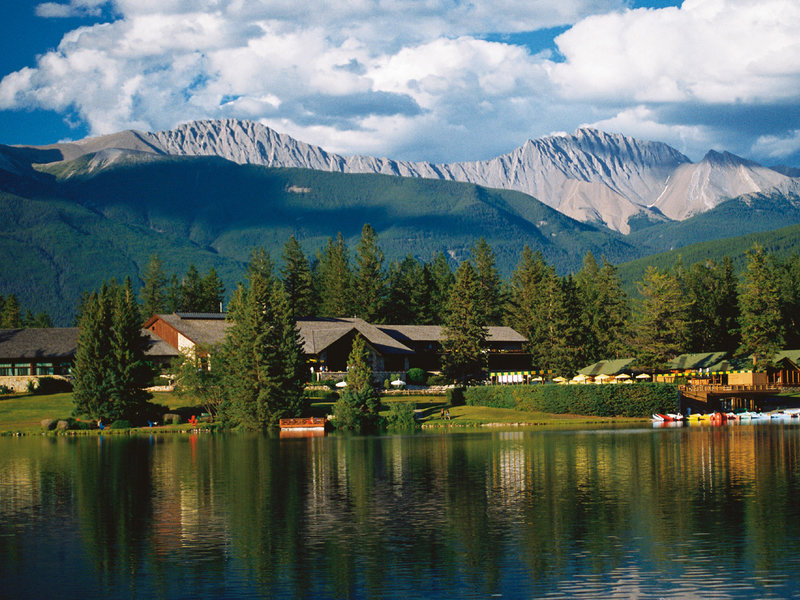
column 638, row 513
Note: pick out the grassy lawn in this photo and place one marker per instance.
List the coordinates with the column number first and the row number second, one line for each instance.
column 23, row 413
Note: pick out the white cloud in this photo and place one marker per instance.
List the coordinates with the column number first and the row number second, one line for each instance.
column 75, row 8
column 778, row 147
column 710, row 51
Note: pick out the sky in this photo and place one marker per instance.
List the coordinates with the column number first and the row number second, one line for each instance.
column 436, row 80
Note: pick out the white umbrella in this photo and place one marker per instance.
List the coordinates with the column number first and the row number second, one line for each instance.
column 398, row 382
column 341, row 384
column 536, row 379
column 580, row 377
column 559, row 380
column 643, row 376
column 623, row 376
column 602, row 377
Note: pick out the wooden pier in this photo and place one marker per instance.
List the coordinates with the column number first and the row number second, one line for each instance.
column 710, row 396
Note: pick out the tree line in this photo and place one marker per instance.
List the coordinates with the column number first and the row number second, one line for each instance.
column 13, row 317
column 569, row 321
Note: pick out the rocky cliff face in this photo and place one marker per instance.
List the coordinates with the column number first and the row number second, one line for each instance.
column 591, row 175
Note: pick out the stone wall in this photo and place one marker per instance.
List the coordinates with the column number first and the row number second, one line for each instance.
column 19, row 383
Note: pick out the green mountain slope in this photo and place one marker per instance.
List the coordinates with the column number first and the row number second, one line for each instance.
column 781, row 242
column 102, row 216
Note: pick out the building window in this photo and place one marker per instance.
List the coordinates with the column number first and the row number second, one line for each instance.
column 5, row 369
column 45, row 369
column 22, row 370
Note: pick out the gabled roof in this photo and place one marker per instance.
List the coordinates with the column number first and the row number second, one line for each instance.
column 607, row 367
column 201, row 328
column 433, row 333
column 38, row 343
column 697, row 361
column 60, row 343
column 792, row 355
column 318, row 334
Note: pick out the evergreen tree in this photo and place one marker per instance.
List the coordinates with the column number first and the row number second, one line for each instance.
column 11, row 317
column 489, row 285
column 110, row 372
column 334, row 279
column 191, row 291
column 662, row 324
column 711, row 289
column 464, row 333
column 537, row 310
column 172, row 298
column 442, row 280
column 212, row 292
column 297, row 280
column 408, row 296
column 761, row 302
column 153, row 291
column 357, row 407
column 791, row 321
column 262, row 358
column 369, row 280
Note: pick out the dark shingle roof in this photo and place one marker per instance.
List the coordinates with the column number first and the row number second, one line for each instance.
column 60, row 343
column 699, row 360
column 38, row 343
column 318, row 334
column 201, row 328
column 433, row 333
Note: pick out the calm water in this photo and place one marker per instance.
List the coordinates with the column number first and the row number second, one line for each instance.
column 646, row 513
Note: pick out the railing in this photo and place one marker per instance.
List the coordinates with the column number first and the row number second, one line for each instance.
column 377, row 376
column 306, row 422
column 718, row 388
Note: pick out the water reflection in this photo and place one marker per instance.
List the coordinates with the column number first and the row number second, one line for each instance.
column 641, row 513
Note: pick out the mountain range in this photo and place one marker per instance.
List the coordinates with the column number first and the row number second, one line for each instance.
column 207, row 192
column 592, row 176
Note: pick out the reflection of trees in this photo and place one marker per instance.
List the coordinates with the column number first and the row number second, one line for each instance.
column 113, row 489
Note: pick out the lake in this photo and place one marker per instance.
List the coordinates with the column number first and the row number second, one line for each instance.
column 687, row 512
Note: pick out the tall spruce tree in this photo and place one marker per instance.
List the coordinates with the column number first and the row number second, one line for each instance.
column 297, row 280
column 408, row 296
column 442, row 280
column 464, row 332
column 262, row 355
column 537, row 309
column 662, row 322
column 212, row 292
column 172, row 297
column 334, row 279
column 761, row 303
column 191, row 291
column 369, row 280
column 110, row 370
column 11, row 317
column 153, row 291
column 490, row 287
column 714, row 312
column 358, row 405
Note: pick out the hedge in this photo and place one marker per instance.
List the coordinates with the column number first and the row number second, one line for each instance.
column 637, row 400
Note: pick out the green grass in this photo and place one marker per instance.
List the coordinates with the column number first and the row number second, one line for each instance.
column 23, row 413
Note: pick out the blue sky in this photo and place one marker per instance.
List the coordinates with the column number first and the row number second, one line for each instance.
column 440, row 80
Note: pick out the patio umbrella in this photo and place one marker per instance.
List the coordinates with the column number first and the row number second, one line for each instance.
column 623, row 376
column 643, row 376
column 602, row 377
column 398, row 382
column 580, row 378
column 538, row 379
column 341, row 384
column 559, row 380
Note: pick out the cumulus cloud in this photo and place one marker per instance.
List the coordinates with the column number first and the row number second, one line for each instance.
column 414, row 79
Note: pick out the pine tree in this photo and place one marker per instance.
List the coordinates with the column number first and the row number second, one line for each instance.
column 262, row 357
column 191, row 291
column 172, row 298
column 442, row 280
column 662, row 324
column 369, row 280
column 11, row 318
column 537, row 309
column 359, row 403
column 153, row 291
column 212, row 292
column 334, row 279
column 297, row 280
column 761, row 304
column 464, row 333
column 408, row 295
column 489, row 283
column 110, row 370
column 714, row 311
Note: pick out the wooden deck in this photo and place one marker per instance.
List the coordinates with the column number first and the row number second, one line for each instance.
column 304, row 423
column 745, row 395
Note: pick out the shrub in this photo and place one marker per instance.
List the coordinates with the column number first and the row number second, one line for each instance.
column 171, row 418
column 401, row 416
column 32, row 387
column 455, row 396
column 416, row 376
column 53, row 385
column 48, row 424
column 639, row 400
column 121, row 424
column 438, row 380
column 4, row 389
column 386, row 384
